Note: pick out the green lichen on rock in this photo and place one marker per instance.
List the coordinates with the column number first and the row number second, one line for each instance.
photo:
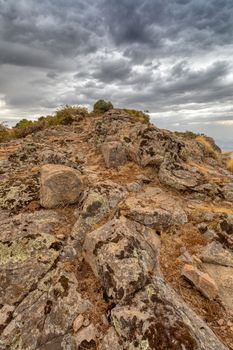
column 26, row 248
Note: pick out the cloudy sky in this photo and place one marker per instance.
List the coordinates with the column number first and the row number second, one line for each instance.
column 171, row 57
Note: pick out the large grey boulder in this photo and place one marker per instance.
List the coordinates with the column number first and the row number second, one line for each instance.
column 114, row 252
column 60, row 185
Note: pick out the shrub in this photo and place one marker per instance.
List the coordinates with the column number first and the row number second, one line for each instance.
column 63, row 116
column 4, row 133
column 102, row 106
column 26, row 127
column 138, row 115
column 67, row 114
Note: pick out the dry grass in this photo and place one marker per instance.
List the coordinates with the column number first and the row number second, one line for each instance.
column 203, row 169
column 230, row 165
column 215, row 209
column 207, row 146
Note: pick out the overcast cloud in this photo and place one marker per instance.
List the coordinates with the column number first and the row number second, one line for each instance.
column 173, row 58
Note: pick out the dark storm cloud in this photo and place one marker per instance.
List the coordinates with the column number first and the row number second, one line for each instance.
column 172, row 56
column 150, row 22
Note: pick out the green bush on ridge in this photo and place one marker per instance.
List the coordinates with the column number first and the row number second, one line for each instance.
column 102, row 106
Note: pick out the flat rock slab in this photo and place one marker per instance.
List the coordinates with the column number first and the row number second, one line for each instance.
column 60, row 185
column 214, row 253
column 155, row 208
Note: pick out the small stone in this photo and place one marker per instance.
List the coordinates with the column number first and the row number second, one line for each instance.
column 202, row 281
column 86, row 322
column 60, row 236
column 78, row 322
column 220, row 322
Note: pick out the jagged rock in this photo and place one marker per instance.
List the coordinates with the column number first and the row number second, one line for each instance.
column 51, row 157
column 214, row 253
column 202, row 281
column 179, row 176
column 157, row 318
column 60, row 185
column 225, row 231
column 149, row 314
column 114, row 252
column 150, row 145
column 154, row 208
column 98, row 202
column 27, row 251
column 46, row 314
column 18, row 196
column 228, row 192
column 114, row 154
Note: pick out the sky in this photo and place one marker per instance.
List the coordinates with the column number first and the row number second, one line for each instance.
column 171, row 57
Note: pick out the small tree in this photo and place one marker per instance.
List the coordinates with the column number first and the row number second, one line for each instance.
column 102, row 106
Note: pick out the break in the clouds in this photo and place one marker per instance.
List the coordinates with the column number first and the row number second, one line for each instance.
column 173, row 58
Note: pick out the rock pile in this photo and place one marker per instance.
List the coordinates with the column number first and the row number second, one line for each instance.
column 115, row 235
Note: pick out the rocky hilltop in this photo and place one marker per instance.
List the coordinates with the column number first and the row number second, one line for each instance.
column 115, row 234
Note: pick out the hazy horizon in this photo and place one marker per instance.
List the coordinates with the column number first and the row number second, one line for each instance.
column 173, row 58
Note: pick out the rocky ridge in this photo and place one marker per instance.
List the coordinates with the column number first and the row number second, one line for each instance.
column 115, row 235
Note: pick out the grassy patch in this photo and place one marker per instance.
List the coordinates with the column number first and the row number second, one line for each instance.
column 230, row 165
column 209, row 149
column 138, row 115
column 63, row 116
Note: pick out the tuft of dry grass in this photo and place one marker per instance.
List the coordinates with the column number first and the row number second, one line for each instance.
column 230, row 165
column 207, row 146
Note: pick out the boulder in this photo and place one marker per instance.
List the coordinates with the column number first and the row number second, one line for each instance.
column 98, row 202
column 154, row 208
column 202, row 281
column 114, row 154
column 114, row 251
column 179, row 176
column 148, row 313
column 60, row 185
